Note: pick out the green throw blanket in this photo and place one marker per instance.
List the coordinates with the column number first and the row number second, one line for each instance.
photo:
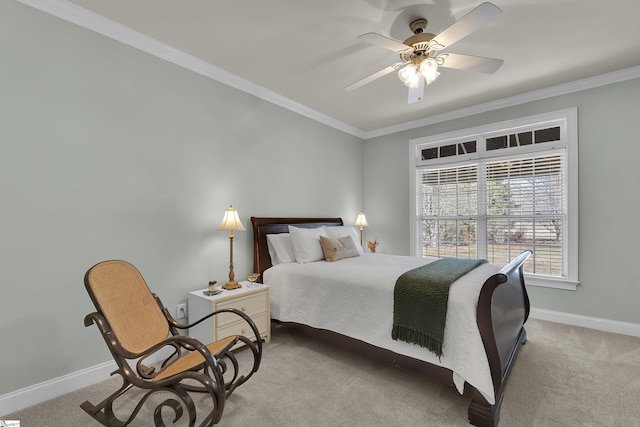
column 420, row 301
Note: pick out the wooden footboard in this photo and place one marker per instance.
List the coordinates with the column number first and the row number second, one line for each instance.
column 503, row 308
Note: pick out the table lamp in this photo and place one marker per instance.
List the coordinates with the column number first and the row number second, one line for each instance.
column 230, row 223
column 361, row 221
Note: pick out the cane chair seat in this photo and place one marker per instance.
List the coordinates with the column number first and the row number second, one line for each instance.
column 194, row 359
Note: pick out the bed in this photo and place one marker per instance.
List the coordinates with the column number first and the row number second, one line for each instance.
column 487, row 310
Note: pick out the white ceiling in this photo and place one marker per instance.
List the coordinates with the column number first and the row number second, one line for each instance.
column 306, row 50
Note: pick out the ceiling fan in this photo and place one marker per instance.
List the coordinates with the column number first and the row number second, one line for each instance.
column 420, row 54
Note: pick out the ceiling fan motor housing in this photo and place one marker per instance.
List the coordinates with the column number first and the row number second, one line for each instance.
column 420, row 44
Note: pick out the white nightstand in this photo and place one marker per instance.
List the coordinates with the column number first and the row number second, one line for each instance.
column 252, row 299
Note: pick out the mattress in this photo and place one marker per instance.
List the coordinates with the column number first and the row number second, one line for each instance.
column 354, row 297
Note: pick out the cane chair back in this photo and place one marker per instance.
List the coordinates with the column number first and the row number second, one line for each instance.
column 119, row 291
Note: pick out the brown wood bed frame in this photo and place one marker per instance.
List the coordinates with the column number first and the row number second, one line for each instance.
column 503, row 308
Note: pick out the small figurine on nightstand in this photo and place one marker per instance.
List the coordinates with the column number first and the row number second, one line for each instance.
column 372, row 245
column 253, row 278
column 213, row 289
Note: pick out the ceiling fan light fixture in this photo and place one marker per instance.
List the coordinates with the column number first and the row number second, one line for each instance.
column 420, row 67
column 429, row 69
column 431, row 77
column 414, row 82
column 410, row 75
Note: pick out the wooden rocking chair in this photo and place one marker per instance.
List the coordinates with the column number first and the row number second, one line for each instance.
column 135, row 325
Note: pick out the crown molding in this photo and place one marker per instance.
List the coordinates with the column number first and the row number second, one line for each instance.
column 563, row 89
column 77, row 15
column 92, row 21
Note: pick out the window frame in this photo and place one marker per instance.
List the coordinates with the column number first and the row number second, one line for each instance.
column 567, row 120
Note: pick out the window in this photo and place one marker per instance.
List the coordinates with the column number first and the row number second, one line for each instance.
column 494, row 191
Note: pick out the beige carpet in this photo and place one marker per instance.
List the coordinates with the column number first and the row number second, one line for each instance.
column 564, row 376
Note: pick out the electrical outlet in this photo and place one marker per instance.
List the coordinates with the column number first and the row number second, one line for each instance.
column 181, row 311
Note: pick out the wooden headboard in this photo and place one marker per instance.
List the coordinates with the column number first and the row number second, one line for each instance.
column 264, row 226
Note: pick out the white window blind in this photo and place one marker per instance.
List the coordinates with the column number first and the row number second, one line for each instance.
column 449, row 211
column 514, row 189
column 526, row 209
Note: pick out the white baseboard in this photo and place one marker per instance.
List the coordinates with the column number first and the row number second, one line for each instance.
column 37, row 393
column 606, row 325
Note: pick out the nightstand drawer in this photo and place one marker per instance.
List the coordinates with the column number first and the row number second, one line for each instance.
column 243, row 328
column 251, row 305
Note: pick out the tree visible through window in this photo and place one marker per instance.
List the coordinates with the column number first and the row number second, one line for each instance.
column 508, row 195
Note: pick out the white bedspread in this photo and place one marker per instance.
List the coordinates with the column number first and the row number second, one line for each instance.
column 354, row 297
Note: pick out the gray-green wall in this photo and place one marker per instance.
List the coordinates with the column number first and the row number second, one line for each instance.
column 609, row 200
column 107, row 152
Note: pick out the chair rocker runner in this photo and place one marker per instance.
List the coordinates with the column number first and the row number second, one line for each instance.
column 135, row 326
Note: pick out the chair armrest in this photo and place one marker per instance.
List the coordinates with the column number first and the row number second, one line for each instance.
column 214, row 313
column 237, row 312
column 175, row 341
column 175, row 324
column 251, row 324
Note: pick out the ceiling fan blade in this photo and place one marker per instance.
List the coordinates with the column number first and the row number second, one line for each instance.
column 373, row 76
column 416, row 93
column 384, row 42
column 478, row 64
column 472, row 21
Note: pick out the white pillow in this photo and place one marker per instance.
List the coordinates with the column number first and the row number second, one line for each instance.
column 280, row 248
column 306, row 243
column 344, row 230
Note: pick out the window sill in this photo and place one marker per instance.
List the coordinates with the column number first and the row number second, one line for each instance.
column 551, row 282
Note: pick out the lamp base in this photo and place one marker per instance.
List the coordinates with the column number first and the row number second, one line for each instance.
column 230, row 285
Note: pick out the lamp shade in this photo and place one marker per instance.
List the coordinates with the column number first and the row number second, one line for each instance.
column 361, row 221
column 231, row 221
